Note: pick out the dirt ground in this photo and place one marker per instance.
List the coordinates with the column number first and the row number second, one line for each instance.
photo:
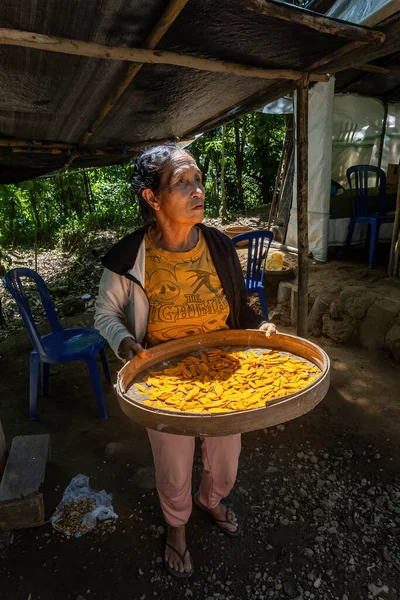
column 318, row 498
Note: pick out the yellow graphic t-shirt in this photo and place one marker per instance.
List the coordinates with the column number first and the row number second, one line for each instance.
column 184, row 292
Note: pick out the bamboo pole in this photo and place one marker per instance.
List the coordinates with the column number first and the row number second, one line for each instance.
column 318, row 22
column 66, row 164
column 172, row 11
column 51, row 43
column 302, row 205
column 396, row 233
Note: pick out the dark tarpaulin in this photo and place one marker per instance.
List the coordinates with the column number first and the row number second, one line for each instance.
column 52, row 96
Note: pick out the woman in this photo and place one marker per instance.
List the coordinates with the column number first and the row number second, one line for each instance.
column 172, row 278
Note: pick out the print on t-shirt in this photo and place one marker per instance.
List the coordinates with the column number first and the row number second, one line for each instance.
column 184, row 292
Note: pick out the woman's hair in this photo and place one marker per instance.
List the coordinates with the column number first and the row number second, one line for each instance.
column 148, row 171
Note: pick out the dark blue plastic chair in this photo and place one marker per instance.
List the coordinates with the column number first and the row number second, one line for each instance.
column 361, row 213
column 259, row 243
column 58, row 347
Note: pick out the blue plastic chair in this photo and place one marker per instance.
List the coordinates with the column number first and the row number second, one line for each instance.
column 58, row 347
column 259, row 243
column 361, row 212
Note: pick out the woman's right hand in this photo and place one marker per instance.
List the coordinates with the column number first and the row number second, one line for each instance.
column 128, row 348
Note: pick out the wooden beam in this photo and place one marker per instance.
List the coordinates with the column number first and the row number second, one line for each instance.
column 333, row 56
column 318, row 22
column 172, row 11
column 396, row 232
column 302, row 205
column 50, row 43
column 378, row 69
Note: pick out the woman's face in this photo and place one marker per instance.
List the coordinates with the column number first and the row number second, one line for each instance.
column 181, row 195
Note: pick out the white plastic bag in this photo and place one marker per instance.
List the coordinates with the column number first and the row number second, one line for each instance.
column 80, row 490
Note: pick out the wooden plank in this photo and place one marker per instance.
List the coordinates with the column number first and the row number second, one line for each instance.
column 302, row 206
column 2, row 449
column 23, row 513
column 49, row 43
column 318, row 22
column 25, row 468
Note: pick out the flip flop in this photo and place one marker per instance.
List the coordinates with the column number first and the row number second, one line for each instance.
column 178, row 574
column 218, row 522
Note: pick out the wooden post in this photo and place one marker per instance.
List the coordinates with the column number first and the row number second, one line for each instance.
column 396, row 232
column 302, row 204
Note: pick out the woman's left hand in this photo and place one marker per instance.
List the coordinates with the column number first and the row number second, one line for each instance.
column 269, row 328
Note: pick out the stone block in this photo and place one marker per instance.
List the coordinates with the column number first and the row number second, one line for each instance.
column 319, row 308
column 339, row 331
column 392, row 341
column 379, row 319
column 284, row 292
column 334, row 311
column 356, row 300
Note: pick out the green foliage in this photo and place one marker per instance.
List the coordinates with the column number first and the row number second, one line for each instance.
column 253, row 146
column 86, row 201
column 81, row 202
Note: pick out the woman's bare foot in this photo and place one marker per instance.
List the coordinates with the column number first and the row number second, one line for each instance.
column 176, row 537
column 224, row 516
column 219, row 513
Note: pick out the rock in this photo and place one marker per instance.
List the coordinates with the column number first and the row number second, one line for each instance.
column 334, row 311
column 285, row 522
column 280, row 427
column 113, row 449
column 326, row 505
column 375, row 591
column 319, row 308
column 317, row 582
column 308, row 552
column 145, row 478
column 392, row 341
column 356, row 300
column 318, row 512
column 313, row 459
column 288, row 588
column 378, row 320
column 338, row 331
column 161, row 530
column 272, row 470
column 73, row 306
column 284, row 292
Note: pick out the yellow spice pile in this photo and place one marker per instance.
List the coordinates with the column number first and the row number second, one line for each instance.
column 219, row 381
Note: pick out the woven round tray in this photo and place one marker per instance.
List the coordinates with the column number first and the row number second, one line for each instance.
column 185, row 423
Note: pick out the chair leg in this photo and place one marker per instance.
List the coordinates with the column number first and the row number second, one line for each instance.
column 263, row 302
column 96, row 386
column 350, row 232
column 45, row 378
column 104, row 363
column 33, row 385
column 372, row 244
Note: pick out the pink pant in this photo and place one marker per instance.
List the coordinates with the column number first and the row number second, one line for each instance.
column 173, row 459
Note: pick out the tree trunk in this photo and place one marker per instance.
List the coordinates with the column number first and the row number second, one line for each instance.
column 33, row 200
column 222, row 212
column 239, row 165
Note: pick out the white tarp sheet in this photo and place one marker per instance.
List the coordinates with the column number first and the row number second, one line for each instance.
column 366, row 12
column 319, row 177
column 357, row 130
column 356, row 135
